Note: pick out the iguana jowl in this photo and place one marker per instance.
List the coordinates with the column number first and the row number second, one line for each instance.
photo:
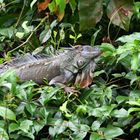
column 76, row 64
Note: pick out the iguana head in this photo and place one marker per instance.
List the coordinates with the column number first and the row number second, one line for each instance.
column 90, row 52
column 86, row 54
column 86, row 62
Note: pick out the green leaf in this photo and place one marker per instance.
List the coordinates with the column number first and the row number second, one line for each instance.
column 94, row 36
column 20, row 34
column 129, row 38
column 26, row 28
column 96, row 125
column 72, row 5
column 59, row 127
column 6, row 113
column 101, row 111
column 136, row 103
column 120, row 12
column 13, row 127
column 97, row 73
column 136, row 126
column 107, row 47
column 32, row 3
column 132, row 109
column 121, row 99
column 3, row 134
column 61, row 4
column 81, row 109
column 81, row 132
column 95, row 136
column 111, row 132
column 46, row 97
column 25, row 125
column 120, row 113
column 118, row 75
column 52, row 6
column 90, row 12
column 45, row 36
column 38, row 125
column 43, row 113
column 72, row 126
column 31, row 108
column 135, row 62
column 7, row 32
column 64, row 109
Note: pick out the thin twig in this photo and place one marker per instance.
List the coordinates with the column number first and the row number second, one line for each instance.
column 27, row 40
column 20, row 13
column 111, row 21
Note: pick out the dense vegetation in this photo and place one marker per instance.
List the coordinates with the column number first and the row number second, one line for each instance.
column 110, row 107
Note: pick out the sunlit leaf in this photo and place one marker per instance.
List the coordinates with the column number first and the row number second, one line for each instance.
column 111, row 132
column 121, row 99
column 137, row 103
column 129, row 38
column 135, row 62
column 8, row 32
column 95, row 125
column 72, row 5
column 6, row 113
column 32, row 3
column 136, row 126
column 3, row 134
column 25, row 125
column 120, row 113
column 132, row 109
column 13, row 127
column 94, row 36
column 95, row 136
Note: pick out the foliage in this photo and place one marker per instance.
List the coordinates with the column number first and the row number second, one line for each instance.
column 110, row 108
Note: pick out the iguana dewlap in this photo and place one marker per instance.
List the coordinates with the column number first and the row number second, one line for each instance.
column 74, row 64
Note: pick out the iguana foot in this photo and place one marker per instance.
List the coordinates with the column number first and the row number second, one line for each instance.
column 71, row 90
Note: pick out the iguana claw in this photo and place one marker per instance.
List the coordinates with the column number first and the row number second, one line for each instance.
column 71, row 90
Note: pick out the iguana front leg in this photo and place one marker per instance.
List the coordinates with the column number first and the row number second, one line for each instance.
column 62, row 80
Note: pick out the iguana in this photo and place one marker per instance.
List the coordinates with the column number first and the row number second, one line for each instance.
column 73, row 65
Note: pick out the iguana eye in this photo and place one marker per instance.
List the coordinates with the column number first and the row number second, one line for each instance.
column 80, row 63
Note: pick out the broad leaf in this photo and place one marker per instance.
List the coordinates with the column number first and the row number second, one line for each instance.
column 7, row 32
column 120, row 12
column 136, row 126
column 111, row 132
column 90, row 12
column 72, row 5
column 25, row 125
column 129, row 38
column 120, row 113
column 32, row 3
column 95, row 125
column 13, row 127
column 6, row 113
column 3, row 134
column 96, row 136
column 135, row 62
